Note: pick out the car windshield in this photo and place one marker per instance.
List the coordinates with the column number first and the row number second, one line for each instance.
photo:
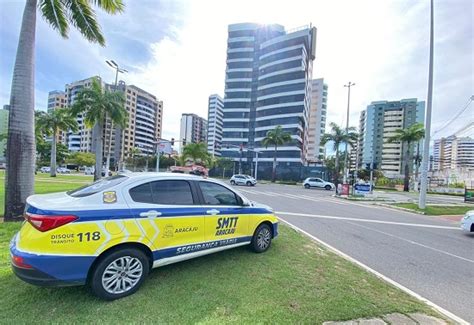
column 100, row 185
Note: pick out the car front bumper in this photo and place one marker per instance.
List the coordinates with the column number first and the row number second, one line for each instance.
column 466, row 225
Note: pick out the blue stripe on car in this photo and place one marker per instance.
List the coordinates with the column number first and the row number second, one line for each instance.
column 110, row 214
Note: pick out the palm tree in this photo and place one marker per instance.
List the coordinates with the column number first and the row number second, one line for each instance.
column 338, row 136
column 407, row 137
column 51, row 124
column 197, row 152
column 97, row 105
column 134, row 152
column 276, row 137
column 21, row 138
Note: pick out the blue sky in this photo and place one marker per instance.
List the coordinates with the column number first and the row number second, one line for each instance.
column 176, row 50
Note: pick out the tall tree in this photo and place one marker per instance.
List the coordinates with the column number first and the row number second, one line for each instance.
column 275, row 138
column 97, row 104
column 197, row 152
column 338, row 136
column 53, row 123
column 407, row 137
column 21, row 138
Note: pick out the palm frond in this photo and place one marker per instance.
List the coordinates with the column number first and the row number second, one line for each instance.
column 84, row 19
column 53, row 12
column 109, row 6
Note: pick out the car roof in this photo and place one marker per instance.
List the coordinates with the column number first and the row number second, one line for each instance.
column 145, row 175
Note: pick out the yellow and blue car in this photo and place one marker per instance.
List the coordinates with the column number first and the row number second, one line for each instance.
column 110, row 234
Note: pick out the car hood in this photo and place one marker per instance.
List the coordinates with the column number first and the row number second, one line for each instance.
column 261, row 206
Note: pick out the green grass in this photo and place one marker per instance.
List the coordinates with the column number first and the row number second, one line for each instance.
column 46, row 184
column 296, row 281
column 437, row 210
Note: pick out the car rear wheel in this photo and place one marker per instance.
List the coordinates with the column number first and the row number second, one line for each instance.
column 119, row 273
column 262, row 238
column 327, row 187
column 307, row 186
column 232, row 182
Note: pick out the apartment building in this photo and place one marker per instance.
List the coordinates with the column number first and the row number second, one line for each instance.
column 214, row 124
column 193, row 129
column 377, row 124
column 453, row 153
column 317, row 120
column 144, row 125
column 56, row 99
column 268, row 83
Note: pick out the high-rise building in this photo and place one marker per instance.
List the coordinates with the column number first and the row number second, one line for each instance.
column 193, row 129
column 453, row 153
column 3, row 130
column 377, row 124
column 317, row 120
column 56, row 99
column 144, row 125
column 214, row 124
column 268, row 83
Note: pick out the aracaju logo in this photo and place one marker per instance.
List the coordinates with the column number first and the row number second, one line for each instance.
column 226, row 226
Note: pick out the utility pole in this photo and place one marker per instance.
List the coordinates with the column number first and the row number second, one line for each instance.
column 426, row 144
column 349, row 85
column 158, row 156
column 118, row 70
column 256, row 164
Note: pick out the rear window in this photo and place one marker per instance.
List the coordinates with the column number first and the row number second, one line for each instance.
column 98, row 186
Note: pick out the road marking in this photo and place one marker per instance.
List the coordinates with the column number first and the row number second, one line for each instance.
column 365, row 220
column 440, row 309
column 414, row 243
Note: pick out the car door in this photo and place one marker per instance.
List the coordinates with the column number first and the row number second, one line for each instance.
column 225, row 216
column 169, row 214
column 240, row 180
column 318, row 182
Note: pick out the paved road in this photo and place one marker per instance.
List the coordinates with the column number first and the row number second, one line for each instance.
column 428, row 255
column 413, row 197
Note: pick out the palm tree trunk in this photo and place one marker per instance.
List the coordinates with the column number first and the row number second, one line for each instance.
column 274, row 167
column 52, row 165
column 109, row 147
column 417, row 165
column 406, row 181
column 97, row 139
column 19, row 182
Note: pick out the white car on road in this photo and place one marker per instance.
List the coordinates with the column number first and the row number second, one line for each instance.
column 243, row 180
column 467, row 223
column 45, row 169
column 318, row 182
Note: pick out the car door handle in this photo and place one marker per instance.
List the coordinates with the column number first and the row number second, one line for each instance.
column 213, row 211
column 150, row 214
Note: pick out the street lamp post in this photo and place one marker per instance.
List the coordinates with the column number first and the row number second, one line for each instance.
column 349, row 85
column 118, row 70
column 426, row 144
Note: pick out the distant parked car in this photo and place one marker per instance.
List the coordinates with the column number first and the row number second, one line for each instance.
column 89, row 171
column 318, row 182
column 104, row 173
column 45, row 169
column 3, row 165
column 63, row 170
column 243, row 180
column 467, row 223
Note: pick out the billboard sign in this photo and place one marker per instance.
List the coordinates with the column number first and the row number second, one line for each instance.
column 362, row 189
column 165, row 147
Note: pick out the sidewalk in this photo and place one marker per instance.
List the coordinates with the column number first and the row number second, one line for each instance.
column 399, row 319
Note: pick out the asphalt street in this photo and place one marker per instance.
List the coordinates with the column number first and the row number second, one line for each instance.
column 428, row 255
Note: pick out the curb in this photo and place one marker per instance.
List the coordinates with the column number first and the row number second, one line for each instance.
column 400, row 208
column 454, row 318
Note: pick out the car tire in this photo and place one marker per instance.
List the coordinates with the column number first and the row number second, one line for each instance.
column 249, row 183
column 232, row 182
column 262, row 238
column 327, row 187
column 108, row 263
column 307, row 186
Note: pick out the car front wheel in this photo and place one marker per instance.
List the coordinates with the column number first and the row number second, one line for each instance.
column 249, row 183
column 262, row 238
column 306, row 186
column 232, row 182
column 327, row 187
column 119, row 273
